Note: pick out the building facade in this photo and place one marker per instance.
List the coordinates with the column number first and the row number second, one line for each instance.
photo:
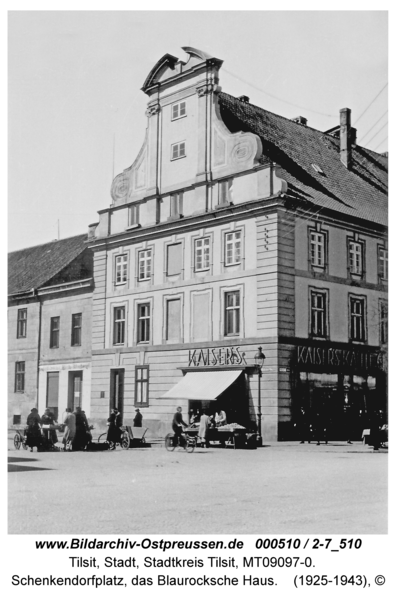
column 235, row 229
column 49, row 330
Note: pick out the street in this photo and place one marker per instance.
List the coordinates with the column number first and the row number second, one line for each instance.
column 281, row 488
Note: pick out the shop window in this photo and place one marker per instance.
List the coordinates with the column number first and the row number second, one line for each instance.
column 176, row 206
column 225, row 192
column 54, row 332
column 318, row 314
column 383, row 321
column 119, row 325
column 143, row 324
column 174, row 259
column 121, row 269
column 173, row 320
column 76, row 329
column 141, row 385
column 178, row 150
column 383, row 264
column 357, row 319
column 145, row 264
column 232, row 313
column 233, row 247
column 21, row 322
column 179, row 110
column 202, row 254
column 133, row 215
column 20, row 377
column 355, row 258
column 317, row 249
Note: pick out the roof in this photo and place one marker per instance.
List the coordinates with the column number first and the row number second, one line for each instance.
column 361, row 191
column 33, row 267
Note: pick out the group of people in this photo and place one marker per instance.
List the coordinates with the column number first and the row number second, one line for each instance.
column 115, row 423
column 41, row 432
column 204, row 420
column 314, row 426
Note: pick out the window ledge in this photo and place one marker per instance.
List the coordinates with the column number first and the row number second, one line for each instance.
column 175, row 218
column 135, row 226
column 224, row 205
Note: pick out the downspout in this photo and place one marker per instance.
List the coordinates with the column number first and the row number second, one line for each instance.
column 38, row 349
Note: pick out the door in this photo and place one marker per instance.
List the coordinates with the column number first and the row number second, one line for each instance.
column 53, row 392
column 75, row 389
column 117, row 390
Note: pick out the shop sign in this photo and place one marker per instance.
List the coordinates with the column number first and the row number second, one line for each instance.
column 335, row 357
column 216, row 356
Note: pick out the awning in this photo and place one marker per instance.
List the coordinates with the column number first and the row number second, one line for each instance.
column 206, row 385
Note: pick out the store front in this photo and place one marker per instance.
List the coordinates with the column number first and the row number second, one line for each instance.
column 340, row 384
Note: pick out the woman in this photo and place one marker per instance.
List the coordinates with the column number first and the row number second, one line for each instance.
column 70, row 428
column 33, row 430
column 114, row 423
column 204, row 425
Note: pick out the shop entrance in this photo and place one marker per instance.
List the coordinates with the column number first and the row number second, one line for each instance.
column 341, row 402
column 75, row 390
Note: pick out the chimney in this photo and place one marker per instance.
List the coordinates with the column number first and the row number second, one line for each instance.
column 347, row 137
column 301, row 120
column 244, row 99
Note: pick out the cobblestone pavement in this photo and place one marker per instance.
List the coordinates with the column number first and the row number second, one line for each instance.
column 280, row 488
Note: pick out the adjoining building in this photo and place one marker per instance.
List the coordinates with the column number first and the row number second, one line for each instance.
column 49, row 329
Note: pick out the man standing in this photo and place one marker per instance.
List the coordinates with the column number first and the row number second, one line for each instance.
column 177, row 425
column 137, row 421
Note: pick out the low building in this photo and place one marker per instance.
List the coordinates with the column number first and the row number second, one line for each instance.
column 49, row 330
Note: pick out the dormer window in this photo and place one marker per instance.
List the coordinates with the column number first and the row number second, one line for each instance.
column 179, row 110
column 178, row 150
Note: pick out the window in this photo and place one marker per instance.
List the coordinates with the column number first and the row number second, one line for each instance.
column 318, row 314
column 143, row 324
column 383, row 321
column 233, row 248
column 178, row 150
column 176, row 205
column 76, row 329
column 141, row 386
column 20, row 376
column 179, row 110
column 173, row 323
column 174, row 259
column 52, row 400
column 202, row 254
column 232, row 313
column 133, row 215
column 21, row 323
column 54, row 332
column 224, row 192
column 144, row 266
column 383, row 264
column 119, row 325
column 357, row 316
column 317, row 249
column 121, row 268
column 355, row 258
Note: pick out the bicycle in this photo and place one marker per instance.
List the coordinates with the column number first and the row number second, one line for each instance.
column 20, row 440
column 188, row 442
column 123, row 443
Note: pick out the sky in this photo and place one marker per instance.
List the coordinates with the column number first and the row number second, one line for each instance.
column 76, row 113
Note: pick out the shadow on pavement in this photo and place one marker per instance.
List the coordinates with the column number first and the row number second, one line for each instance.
column 20, row 468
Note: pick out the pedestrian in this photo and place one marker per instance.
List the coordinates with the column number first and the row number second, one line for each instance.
column 320, row 427
column 137, row 421
column 347, row 419
column 48, row 419
column 70, row 428
column 375, row 429
column 220, row 418
column 203, row 431
column 177, row 425
column 80, row 438
column 304, row 426
column 33, row 430
column 114, row 423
